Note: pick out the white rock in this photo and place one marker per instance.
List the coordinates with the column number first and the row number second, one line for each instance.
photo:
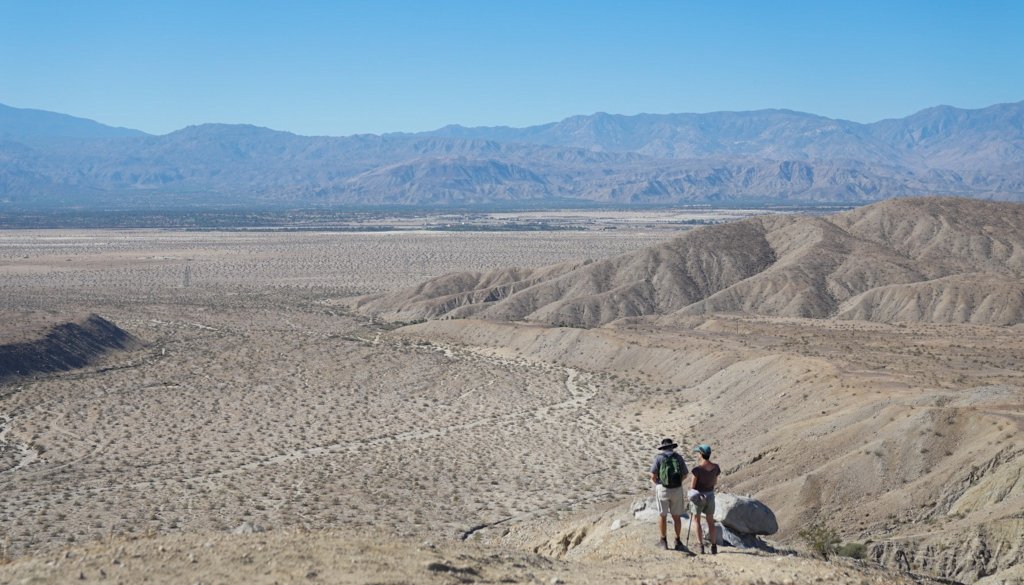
column 649, row 515
column 247, row 528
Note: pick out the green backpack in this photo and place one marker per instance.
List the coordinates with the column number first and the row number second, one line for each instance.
column 672, row 471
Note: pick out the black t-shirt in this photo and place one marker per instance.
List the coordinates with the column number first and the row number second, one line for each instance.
column 706, row 477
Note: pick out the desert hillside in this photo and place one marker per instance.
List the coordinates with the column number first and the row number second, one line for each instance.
column 930, row 260
column 904, row 438
column 854, row 365
column 257, row 398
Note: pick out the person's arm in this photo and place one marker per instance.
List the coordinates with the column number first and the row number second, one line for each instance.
column 654, row 469
column 693, row 482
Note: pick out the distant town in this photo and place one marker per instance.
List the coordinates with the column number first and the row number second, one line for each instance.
column 398, row 218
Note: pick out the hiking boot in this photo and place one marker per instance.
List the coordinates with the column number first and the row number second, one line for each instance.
column 714, row 549
column 663, row 543
column 701, row 548
column 679, row 544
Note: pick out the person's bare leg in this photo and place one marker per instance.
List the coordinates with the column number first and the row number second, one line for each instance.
column 700, row 532
column 678, row 525
column 711, row 533
column 662, row 526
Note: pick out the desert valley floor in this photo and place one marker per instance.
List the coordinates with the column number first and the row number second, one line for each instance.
column 254, row 392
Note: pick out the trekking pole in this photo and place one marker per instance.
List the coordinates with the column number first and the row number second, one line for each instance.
column 689, row 525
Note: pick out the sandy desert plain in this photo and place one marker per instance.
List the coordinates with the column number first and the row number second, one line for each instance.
column 255, row 391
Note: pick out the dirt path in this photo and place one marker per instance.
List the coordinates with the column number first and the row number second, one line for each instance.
column 576, row 399
column 577, row 396
column 564, row 394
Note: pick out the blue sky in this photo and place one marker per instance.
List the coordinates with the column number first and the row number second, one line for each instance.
column 339, row 68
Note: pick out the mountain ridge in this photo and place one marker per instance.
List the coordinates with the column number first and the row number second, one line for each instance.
column 40, row 126
column 765, row 156
column 915, row 259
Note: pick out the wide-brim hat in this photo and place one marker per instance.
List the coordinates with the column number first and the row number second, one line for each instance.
column 667, row 444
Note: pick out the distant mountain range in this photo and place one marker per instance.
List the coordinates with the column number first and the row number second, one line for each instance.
column 767, row 156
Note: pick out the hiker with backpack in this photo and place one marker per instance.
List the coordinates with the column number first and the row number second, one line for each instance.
column 667, row 475
column 702, row 495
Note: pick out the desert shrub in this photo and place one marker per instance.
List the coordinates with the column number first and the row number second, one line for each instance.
column 853, row 550
column 821, row 539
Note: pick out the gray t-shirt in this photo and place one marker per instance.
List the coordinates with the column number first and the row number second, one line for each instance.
column 661, row 459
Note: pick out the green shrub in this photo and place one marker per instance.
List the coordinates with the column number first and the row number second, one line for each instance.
column 854, row 550
column 821, row 539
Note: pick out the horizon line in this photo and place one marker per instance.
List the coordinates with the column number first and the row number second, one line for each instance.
column 502, row 126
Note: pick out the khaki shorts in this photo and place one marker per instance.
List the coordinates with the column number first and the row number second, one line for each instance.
column 669, row 500
column 703, row 503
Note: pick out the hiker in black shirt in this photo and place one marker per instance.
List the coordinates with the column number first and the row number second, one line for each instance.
column 702, row 495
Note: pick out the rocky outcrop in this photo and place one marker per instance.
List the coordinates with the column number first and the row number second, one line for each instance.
column 66, row 346
column 965, row 554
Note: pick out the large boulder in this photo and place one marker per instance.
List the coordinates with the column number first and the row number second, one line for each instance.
column 739, row 540
column 726, row 537
column 719, row 533
column 745, row 515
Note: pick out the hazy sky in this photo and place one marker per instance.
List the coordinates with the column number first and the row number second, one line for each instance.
column 340, row 68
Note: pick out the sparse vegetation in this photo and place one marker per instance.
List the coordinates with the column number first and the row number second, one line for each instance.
column 291, row 404
column 853, row 550
column 821, row 539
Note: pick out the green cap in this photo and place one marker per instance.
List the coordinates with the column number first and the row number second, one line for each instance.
column 703, row 449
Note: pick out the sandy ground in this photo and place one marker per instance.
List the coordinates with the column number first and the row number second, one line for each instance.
column 291, row 556
column 258, row 399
